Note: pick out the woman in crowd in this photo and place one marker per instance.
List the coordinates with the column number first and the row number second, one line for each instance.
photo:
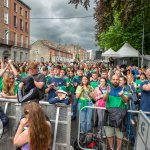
column 131, row 89
column 9, row 86
column 123, row 81
column 34, row 132
column 22, row 71
column 100, row 102
column 70, row 85
column 84, row 92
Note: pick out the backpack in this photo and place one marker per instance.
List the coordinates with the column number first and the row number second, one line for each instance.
column 88, row 140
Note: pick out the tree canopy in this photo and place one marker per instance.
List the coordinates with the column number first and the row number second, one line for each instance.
column 120, row 21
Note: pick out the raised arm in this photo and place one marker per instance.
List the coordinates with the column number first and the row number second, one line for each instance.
column 16, row 73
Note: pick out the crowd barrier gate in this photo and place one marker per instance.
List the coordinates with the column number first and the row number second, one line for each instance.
column 143, row 133
column 13, row 109
column 144, row 145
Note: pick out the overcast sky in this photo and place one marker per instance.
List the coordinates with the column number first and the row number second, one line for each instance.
column 66, row 31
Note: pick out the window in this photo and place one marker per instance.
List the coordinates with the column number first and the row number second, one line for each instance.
column 6, row 3
column 21, row 54
column 26, row 14
column 15, row 7
column 26, row 56
column 27, row 43
column 6, row 34
column 26, row 27
column 21, row 24
column 21, row 11
column 15, row 55
column 15, row 39
column 6, row 17
column 15, row 21
column 21, row 40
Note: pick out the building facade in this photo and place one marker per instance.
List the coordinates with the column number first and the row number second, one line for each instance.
column 14, row 30
column 45, row 51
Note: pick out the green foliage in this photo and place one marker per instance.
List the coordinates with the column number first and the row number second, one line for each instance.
column 120, row 21
column 122, row 31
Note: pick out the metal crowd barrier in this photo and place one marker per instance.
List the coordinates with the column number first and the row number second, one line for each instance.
column 142, row 128
column 13, row 109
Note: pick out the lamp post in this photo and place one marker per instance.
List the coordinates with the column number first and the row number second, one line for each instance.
column 142, row 43
column 143, row 36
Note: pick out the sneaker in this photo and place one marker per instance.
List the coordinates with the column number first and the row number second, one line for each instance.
column 132, row 122
column 103, row 135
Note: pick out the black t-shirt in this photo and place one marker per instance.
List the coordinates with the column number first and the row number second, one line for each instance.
column 40, row 78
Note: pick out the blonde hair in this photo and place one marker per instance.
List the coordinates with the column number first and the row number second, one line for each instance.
column 7, row 87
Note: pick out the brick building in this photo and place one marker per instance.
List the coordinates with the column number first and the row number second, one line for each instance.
column 14, row 30
column 44, row 51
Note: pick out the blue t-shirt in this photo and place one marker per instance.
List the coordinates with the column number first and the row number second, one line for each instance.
column 58, row 81
column 145, row 98
column 78, row 80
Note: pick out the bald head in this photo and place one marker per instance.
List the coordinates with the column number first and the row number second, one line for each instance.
column 115, row 80
column 148, row 74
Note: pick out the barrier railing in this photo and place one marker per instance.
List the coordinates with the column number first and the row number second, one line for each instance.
column 125, row 146
column 13, row 109
column 143, row 133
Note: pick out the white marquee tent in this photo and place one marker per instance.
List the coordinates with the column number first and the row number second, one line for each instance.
column 128, row 51
column 110, row 53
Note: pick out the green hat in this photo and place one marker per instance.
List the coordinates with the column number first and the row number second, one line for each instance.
column 62, row 89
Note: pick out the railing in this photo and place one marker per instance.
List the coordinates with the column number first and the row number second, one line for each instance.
column 13, row 43
column 126, row 143
column 13, row 109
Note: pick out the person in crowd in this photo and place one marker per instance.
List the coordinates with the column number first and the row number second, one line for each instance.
column 134, row 71
column 41, row 66
column 100, row 102
column 70, row 85
column 27, row 90
column 9, row 86
column 139, row 80
column 13, row 69
column 118, row 73
column 116, row 97
column 145, row 93
column 94, row 81
column 52, row 74
column 50, row 66
column 61, row 96
column 46, row 73
column 22, row 71
column 54, row 83
column 123, row 82
column 39, row 79
column 63, row 73
column 77, row 82
column 131, row 89
column 104, row 74
column 83, row 94
column 34, row 132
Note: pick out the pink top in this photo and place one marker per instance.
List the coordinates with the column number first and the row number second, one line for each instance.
column 98, row 93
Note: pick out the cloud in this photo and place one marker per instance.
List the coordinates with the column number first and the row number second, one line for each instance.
column 77, row 31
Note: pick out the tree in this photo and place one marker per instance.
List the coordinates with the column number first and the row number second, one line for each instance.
column 120, row 21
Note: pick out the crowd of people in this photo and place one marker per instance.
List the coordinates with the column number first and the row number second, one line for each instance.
column 116, row 88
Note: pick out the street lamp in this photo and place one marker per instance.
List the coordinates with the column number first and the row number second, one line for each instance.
column 142, row 43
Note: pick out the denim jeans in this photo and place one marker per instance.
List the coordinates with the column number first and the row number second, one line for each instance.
column 75, row 102
column 85, row 120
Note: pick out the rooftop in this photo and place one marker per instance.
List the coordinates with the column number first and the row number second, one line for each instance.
column 24, row 4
